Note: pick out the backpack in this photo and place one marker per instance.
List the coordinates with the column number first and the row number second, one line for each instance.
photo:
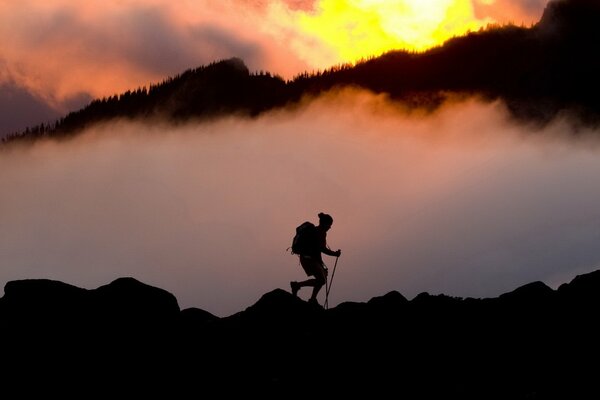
column 305, row 240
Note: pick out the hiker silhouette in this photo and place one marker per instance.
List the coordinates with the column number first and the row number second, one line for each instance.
column 312, row 261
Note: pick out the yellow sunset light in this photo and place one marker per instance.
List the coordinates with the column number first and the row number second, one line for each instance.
column 362, row 28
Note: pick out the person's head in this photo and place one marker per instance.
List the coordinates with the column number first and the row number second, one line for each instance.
column 325, row 220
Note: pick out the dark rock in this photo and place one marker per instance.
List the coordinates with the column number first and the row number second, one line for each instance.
column 532, row 342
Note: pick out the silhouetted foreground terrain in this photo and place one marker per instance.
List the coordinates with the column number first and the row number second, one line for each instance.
column 130, row 338
column 542, row 71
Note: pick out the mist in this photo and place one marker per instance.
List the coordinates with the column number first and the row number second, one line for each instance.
column 462, row 201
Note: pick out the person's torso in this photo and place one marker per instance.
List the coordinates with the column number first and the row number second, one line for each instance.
column 320, row 243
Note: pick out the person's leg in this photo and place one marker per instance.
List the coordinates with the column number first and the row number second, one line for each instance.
column 313, row 268
column 315, row 292
column 297, row 285
column 309, row 267
column 308, row 282
column 319, row 281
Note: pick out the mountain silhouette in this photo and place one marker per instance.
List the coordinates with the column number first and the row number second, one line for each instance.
column 131, row 338
column 540, row 72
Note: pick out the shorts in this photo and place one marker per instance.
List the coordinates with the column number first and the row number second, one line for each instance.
column 314, row 267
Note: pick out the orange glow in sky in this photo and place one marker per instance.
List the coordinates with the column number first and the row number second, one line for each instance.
column 363, row 28
column 60, row 51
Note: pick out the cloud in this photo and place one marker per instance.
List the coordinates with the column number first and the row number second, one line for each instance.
column 518, row 12
column 21, row 109
column 63, row 54
column 57, row 49
column 303, row 5
column 57, row 56
column 460, row 201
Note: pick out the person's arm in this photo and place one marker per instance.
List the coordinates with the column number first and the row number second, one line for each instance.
column 332, row 253
column 325, row 249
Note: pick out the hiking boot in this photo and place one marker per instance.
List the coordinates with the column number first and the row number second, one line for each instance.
column 314, row 301
column 295, row 287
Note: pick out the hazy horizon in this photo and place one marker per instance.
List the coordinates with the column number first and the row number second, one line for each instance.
column 463, row 202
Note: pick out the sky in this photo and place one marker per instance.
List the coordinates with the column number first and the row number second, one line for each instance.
column 463, row 201
column 57, row 55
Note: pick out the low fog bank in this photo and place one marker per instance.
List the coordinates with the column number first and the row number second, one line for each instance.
column 461, row 202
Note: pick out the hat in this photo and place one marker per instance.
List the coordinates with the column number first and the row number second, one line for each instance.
column 325, row 219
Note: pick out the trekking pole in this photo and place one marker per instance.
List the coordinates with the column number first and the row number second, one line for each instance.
column 327, row 288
